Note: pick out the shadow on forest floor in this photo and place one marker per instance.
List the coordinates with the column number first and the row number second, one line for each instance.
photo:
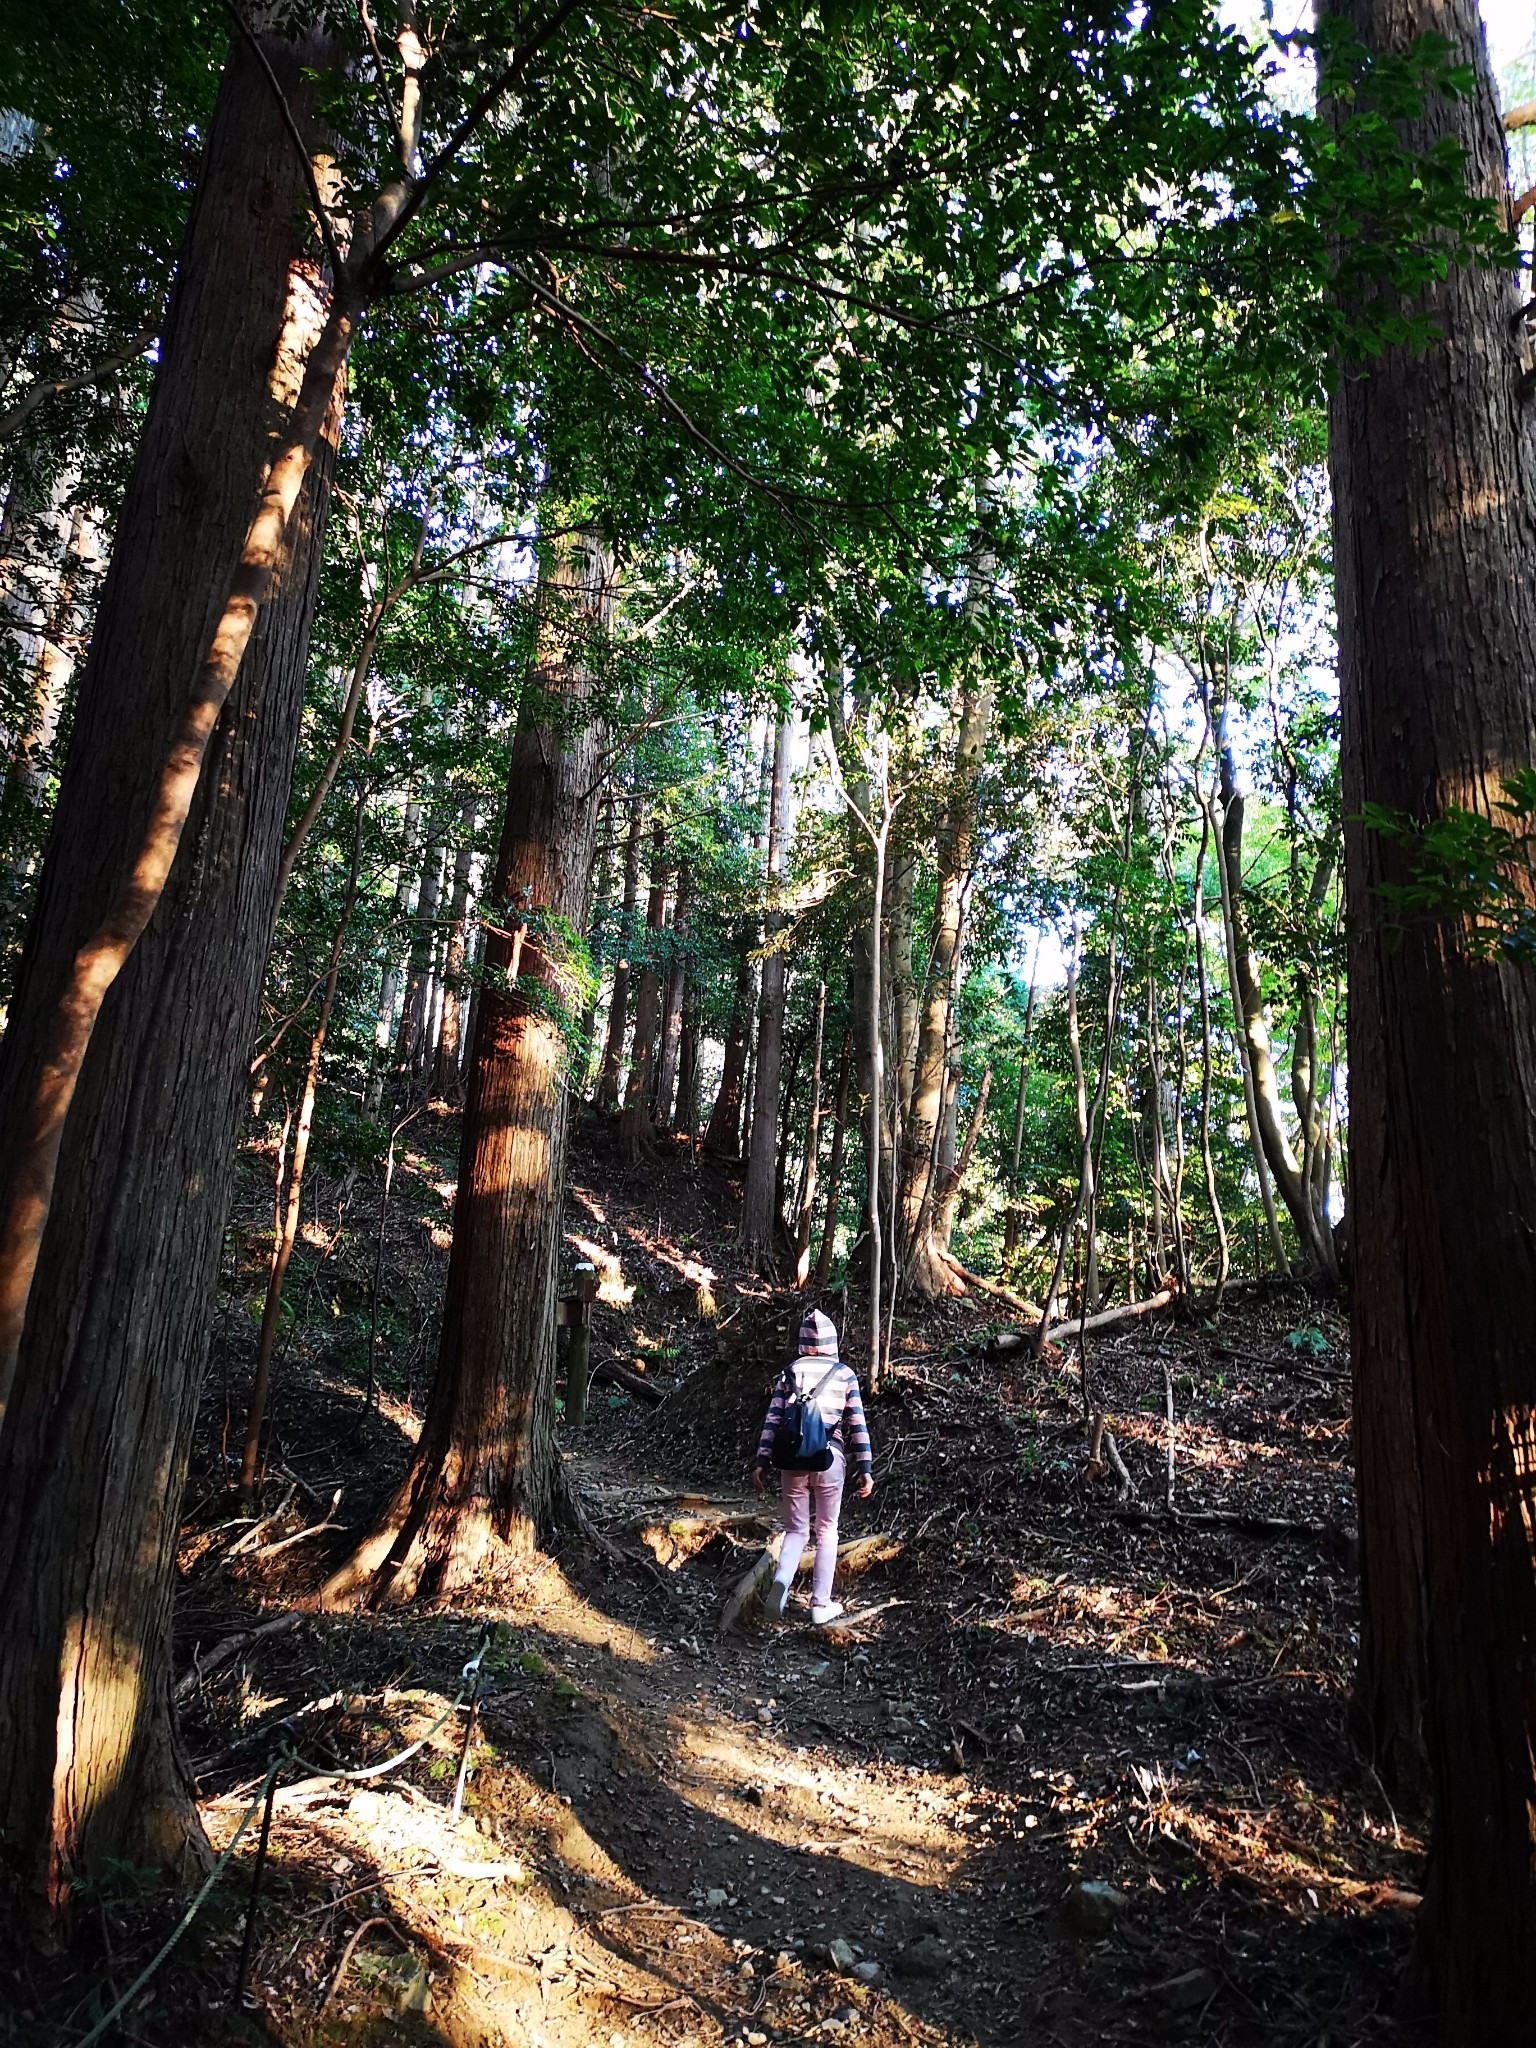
column 872, row 1835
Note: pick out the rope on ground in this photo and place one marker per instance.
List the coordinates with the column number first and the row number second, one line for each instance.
column 188, row 1917
column 469, row 1676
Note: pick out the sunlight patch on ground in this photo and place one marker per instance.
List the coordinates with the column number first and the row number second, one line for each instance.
column 824, row 1807
column 550, row 1602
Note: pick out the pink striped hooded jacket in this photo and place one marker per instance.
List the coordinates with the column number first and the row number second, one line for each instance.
column 838, row 1402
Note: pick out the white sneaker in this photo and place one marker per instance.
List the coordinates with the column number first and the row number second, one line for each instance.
column 822, row 1616
column 774, row 1598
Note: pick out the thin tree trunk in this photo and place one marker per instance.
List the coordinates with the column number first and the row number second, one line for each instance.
column 106, row 1319
column 602, row 885
column 282, row 1249
column 447, row 1083
column 1016, row 1152
column 411, row 1039
column 686, row 1119
column 672, row 1006
column 484, row 1479
column 876, row 1108
column 618, row 1002
column 407, row 880
column 925, row 1269
column 1158, row 1165
column 1085, row 1151
column 759, row 1208
column 1248, row 1009
column 722, row 1138
column 637, row 1123
column 824, row 1255
column 955, row 1175
column 900, row 890
column 812, row 1144
column 1207, row 1157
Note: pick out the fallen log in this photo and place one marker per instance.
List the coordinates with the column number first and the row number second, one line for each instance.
column 1334, row 1533
column 221, row 1653
column 1007, row 1342
column 1109, row 1318
column 631, row 1382
column 994, row 1288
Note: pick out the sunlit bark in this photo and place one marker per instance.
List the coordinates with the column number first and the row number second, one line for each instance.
column 481, row 1488
column 95, row 1436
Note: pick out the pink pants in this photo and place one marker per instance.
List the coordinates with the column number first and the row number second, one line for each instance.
column 798, row 1492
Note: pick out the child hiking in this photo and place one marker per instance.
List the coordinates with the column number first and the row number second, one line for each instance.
column 814, row 1425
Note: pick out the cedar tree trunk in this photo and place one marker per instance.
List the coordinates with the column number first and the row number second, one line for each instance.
column 482, row 1485
column 94, row 1443
column 1433, row 456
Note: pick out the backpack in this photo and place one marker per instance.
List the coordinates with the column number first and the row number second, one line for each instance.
column 801, row 1439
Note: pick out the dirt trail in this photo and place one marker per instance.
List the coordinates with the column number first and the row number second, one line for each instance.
column 674, row 1837
column 865, row 1834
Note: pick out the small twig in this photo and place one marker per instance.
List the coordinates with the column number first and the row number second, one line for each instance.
column 302, row 1535
column 378, row 1920
column 229, row 1648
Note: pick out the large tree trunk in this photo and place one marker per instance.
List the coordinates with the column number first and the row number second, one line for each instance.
column 759, row 1209
column 1433, row 454
column 94, row 1442
column 482, row 1485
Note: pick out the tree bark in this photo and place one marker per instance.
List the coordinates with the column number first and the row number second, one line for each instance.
column 1207, row 1157
column 900, row 979
column 95, row 1435
column 686, row 1119
column 482, row 1485
column 1432, row 456
column 759, row 1209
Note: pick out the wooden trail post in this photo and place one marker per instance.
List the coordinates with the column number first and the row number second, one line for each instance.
column 576, row 1316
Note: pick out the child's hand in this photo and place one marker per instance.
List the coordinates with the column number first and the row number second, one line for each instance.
column 866, row 1486
column 757, row 1479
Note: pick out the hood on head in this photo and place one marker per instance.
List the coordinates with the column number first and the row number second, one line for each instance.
column 818, row 1336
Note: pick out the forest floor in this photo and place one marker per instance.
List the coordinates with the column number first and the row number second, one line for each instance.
column 1070, row 1771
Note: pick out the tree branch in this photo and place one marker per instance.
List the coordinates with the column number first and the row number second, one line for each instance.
column 45, row 388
